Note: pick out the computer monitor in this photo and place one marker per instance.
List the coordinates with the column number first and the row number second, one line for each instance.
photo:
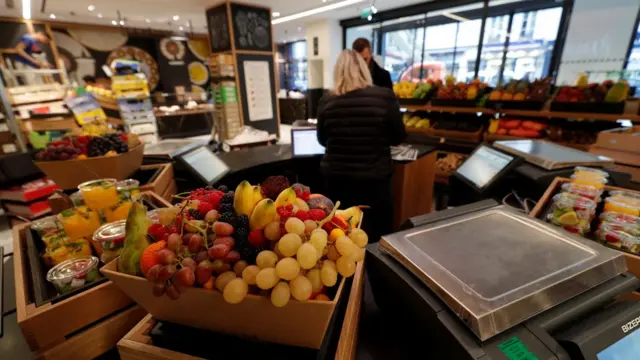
column 305, row 142
column 204, row 164
column 484, row 166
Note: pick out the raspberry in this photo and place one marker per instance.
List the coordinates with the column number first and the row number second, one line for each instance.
column 306, row 195
column 302, row 215
column 204, row 207
column 316, row 214
column 256, row 238
column 289, row 208
column 157, row 231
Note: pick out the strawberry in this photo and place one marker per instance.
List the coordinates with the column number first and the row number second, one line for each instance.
column 306, row 195
column 302, row 215
column 611, row 238
column 256, row 238
column 316, row 214
column 289, row 207
column 204, row 207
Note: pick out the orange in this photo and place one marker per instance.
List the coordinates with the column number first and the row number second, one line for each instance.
column 149, row 258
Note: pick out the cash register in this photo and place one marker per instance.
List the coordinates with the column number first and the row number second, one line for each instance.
column 483, row 281
column 525, row 167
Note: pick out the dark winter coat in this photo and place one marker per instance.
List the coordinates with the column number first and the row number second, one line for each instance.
column 357, row 130
column 380, row 76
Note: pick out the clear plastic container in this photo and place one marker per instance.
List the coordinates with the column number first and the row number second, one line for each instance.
column 625, row 237
column 50, row 230
column 74, row 274
column 619, row 218
column 129, row 189
column 118, row 212
column 572, row 210
column 587, row 191
column 77, row 199
column 597, row 182
column 582, row 171
column 621, row 205
column 99, row 194
column 66, row 250
column 79, row 222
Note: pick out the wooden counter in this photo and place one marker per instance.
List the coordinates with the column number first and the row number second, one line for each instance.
column 413, row 188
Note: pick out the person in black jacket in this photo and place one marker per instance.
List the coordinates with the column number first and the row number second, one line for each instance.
column 357, row 124
column 380, row 76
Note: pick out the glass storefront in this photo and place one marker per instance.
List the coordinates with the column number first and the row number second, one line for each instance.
column 633, row 64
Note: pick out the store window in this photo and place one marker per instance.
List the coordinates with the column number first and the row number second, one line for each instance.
column 633, row 64
column 366, row 31
column 402, row 53
column 495, row 35
column 292, row 61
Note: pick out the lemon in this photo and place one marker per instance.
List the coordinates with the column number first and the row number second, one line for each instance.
column 570, row 218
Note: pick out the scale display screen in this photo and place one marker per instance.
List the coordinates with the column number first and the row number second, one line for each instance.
column 483, row 166
column 624, row 349
column 206, row 164
column 305, row 142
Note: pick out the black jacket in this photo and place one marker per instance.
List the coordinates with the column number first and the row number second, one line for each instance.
column 357, row 130
column 380, row 76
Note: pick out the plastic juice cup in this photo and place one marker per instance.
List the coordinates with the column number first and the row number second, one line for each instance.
column 77, row 199
column 129, row 189
column 99, row 194
column 79, row 222
column 73, row 274
column 118, row 212
column 620, row 205
column 587, row 191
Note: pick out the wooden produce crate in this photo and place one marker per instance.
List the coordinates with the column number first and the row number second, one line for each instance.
column 54, row 331
column 162, row 183
column 138, row 345
column 633, row 261
column 454, row 134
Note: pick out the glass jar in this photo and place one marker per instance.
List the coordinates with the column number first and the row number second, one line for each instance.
column 74, row 274
column 99, row 194
column 110, row 238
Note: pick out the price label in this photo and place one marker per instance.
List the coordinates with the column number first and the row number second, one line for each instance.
column 514, row 349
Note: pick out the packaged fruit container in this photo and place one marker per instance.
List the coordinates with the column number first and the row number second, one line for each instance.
column 129, row 189
column 621, row 205
column 587, row 191
column 74, row 274
column 99, row 194
column 619, row 218
column 66, row 250
column 597, row 182
column 625, row 237
column 117, row 212
column 50, row 230
column 581, row 171
column 79, row 222
column 572, row 210
column 110, row 238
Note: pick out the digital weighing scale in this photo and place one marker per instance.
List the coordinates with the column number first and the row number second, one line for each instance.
column 551, row 156
column 483, row 281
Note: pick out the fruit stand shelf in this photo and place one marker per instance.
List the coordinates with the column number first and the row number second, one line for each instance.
column 528, row 113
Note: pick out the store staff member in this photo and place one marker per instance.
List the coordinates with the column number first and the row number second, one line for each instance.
column 32, row 44
column 357, row 124
column 380, row 76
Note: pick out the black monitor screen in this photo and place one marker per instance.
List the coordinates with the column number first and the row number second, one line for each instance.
column 305, row 142
column 483, row 165
column 206, row 164
column 626, row 348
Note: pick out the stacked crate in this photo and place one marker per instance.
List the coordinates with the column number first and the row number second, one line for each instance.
column 225, row 96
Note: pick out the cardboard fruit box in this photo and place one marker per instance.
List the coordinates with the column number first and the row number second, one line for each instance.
column 298, row 323
column 69, row 173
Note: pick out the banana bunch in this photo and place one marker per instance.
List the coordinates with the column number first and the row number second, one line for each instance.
column 263, row 214
column 246, row 198
column 404, row 89
column 96, row 128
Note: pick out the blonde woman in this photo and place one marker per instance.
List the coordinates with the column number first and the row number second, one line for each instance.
column 357, row 124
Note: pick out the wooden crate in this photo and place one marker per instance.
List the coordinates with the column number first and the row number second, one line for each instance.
column 454, row 134
column 163, row 182
column 633, row 261
column 138, row 345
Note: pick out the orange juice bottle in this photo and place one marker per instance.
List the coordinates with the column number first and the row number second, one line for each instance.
column 99, row 194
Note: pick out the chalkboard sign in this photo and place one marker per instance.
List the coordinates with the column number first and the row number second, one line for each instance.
column 258, row 92
column 252, row 28
column 218, row 29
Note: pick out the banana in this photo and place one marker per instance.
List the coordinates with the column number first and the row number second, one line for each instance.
column 287, row 197
column 243, row 202
column 352, row 215
column 300, row 205
column 263, row 214
column 257, row 195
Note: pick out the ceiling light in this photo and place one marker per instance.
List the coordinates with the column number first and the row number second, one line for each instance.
column 369, row 17
column 147, row 21
column 180, row 28
column 455, row 17
column 275, row 14
column 91, row 8
column 52, row 16
column 26, row 9
column 114, row 22
column 318, row 10
column 176, row 17
column 374, row 9
column 100, row 15
column 121, row 22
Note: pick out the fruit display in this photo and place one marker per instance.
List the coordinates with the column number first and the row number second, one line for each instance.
column 405, row 89
column 244, row 242
column 74, row 274
column 87, row 146
column 519, row 128
column 461, row 91
column 417, row 91
column 449, row 162
column 456, row 124
column 521, row 90
column 416, row 122
column 607, row 92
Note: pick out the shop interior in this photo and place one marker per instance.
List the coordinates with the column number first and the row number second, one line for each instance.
column 164, row 187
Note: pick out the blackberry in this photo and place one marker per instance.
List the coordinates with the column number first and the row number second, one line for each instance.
column 242, row 222
column 195, row 214
column 241, row 235
column 249, row 253
column 224, row 208
column 98, row 146
column 227, row 198
column 228, row 217
column 223, row 188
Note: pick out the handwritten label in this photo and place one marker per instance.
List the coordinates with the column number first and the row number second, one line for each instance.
column 514, row 349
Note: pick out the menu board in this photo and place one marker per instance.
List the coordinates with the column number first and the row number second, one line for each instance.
column 257, row 91
column 251, row 28
column 218, row 25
